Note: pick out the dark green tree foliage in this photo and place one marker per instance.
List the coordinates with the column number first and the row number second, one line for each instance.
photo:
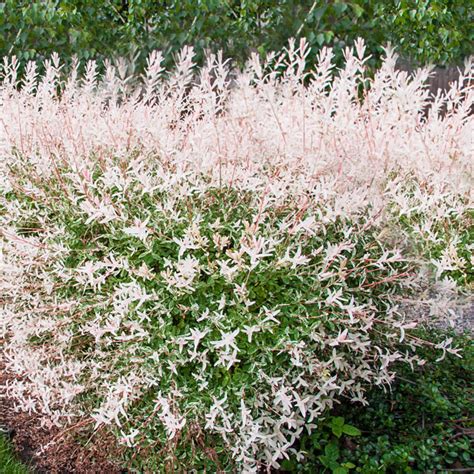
column 38, row 28
column 439, row 31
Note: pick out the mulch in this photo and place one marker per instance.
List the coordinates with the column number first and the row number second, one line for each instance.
column 65, row 455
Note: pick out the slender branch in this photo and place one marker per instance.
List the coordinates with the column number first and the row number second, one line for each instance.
column 313, row 6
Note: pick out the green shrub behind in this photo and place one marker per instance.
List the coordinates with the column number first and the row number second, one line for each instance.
column 424, row 31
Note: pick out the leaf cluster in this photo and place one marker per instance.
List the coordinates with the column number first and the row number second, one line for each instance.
column 424, row 31
column 423, row 424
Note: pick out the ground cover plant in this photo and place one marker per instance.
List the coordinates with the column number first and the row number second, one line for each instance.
column 205, row 262
column 424, row 424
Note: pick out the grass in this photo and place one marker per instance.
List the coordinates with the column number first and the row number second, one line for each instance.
column 9, row 463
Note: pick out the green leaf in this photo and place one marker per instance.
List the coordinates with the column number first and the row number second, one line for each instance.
column 324, row 460
column 337, row 421
column 351, row 430
column 320, row 39
column 337, row 424
column 332, row 451
column 329, row 35
column 340, row 7
column 319, row 12
column 288, row 465
column 357, row 9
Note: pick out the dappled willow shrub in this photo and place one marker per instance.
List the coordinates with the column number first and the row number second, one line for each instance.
column 206, row 269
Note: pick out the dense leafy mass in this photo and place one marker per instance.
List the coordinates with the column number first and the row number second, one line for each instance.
column 204, row 263
column 423, row 424
column 437, row 31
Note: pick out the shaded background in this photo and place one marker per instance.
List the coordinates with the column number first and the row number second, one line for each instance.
column 437, row 31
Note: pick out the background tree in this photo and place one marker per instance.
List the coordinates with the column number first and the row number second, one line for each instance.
column 438, row 31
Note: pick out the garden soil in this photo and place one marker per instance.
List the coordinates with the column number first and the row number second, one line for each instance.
column 51, row 450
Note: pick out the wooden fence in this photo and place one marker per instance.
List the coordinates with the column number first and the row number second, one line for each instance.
column 441, row 76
